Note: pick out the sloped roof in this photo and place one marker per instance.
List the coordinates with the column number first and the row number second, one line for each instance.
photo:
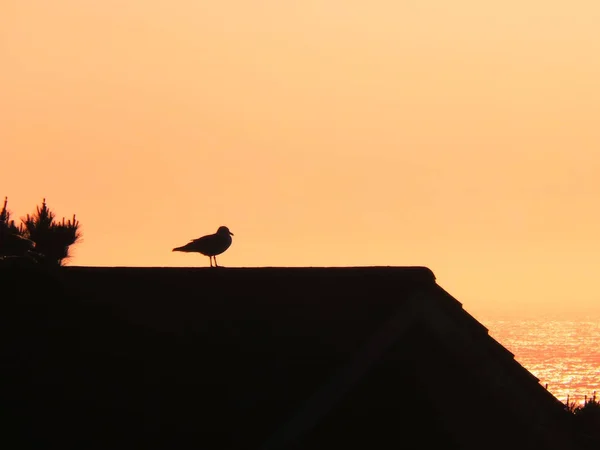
column 295, row 358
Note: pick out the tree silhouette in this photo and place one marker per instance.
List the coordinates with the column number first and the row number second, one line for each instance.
column 39, row 235
column 588, row 417
column 7, row 225
column 12, row 242
column 52, row 239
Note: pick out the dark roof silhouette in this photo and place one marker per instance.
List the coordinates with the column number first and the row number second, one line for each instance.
column 275, row 358
column 210, row 245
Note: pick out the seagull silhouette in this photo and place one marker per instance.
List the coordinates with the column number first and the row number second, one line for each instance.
column 210, row 245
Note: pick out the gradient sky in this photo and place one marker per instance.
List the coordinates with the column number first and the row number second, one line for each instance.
column 462, row 136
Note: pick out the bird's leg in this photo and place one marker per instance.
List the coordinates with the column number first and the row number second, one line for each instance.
column 216, row 265
column 210, row 259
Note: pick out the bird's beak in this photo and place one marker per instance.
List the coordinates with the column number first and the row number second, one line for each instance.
column 231, row 233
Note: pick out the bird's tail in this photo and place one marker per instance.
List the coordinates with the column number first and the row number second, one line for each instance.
column 184, row 248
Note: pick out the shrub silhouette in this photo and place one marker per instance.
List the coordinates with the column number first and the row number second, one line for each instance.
column 588, row 416
column 39, row 235
column 52, row 239
column 12, row 243
column 7, row 225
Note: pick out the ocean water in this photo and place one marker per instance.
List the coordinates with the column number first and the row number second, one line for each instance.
column 563, row 354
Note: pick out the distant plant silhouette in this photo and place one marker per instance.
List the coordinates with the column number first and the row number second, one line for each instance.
column 588, row 416
column 571, row 405
column 39, row 235
column 7, row 225
column 12, row 242
column 52, row 239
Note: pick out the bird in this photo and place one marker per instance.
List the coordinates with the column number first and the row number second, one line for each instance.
column 210, row 245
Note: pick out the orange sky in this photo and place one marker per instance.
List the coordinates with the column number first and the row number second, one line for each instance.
column 460, row 135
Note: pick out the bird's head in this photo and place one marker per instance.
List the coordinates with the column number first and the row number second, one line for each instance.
column 224, row 230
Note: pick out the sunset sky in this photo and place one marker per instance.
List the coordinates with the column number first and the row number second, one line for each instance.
column 459, row 135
